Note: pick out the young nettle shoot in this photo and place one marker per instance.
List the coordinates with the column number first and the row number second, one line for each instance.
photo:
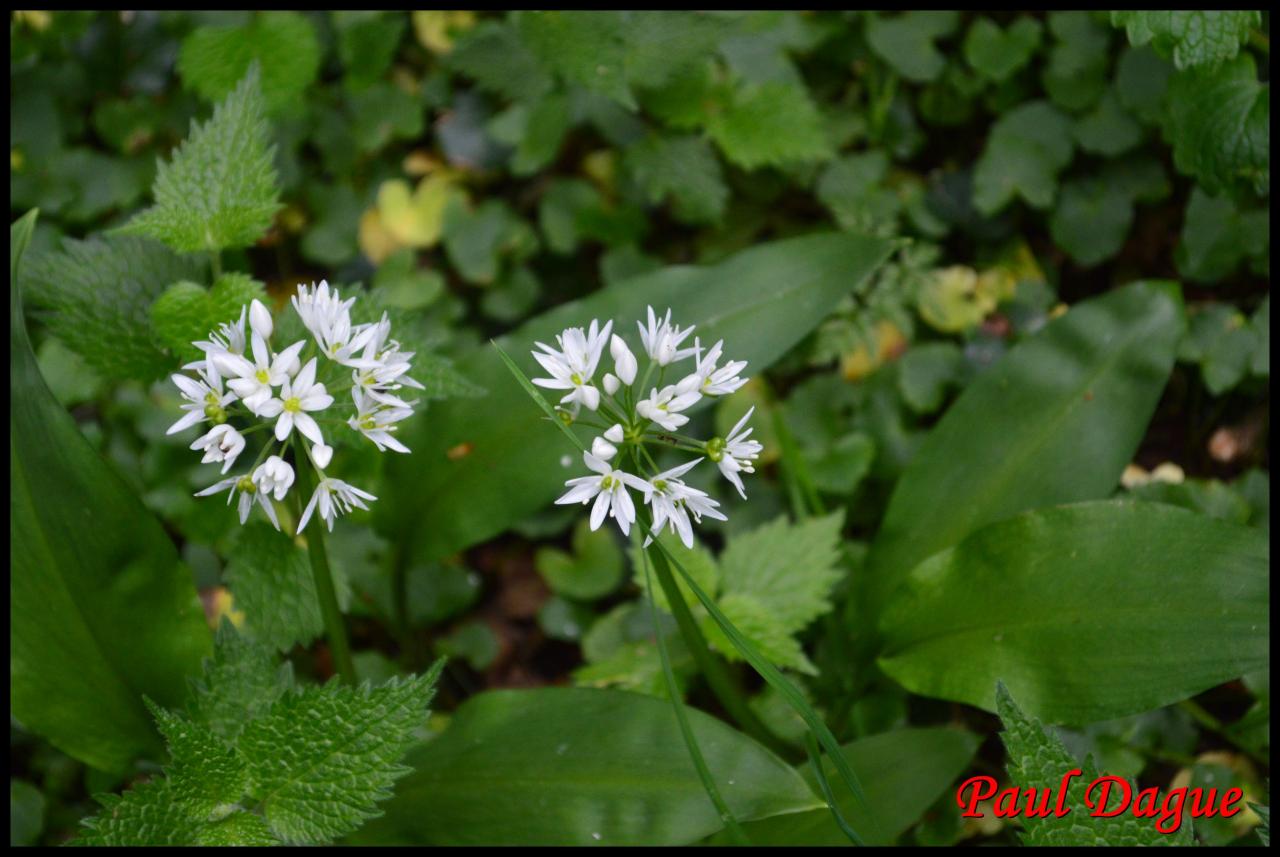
column 243, row 378
column 642, row 413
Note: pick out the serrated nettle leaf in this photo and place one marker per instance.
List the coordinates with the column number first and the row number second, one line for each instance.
column 499, row 468
column 1011, row 442
column 96, row 296
column 560, row 766
column 205, row 775
column 239, row 681
column 271, row 580
column 1219, row 124
column 87, row 561
column 769, row 124
column 219, row 190
column 790, row 567
column 322, row 758
column 149, row 814
column 1190, row 37
column 187, row 312
column 1105, row 609
column 684, row 169
column 214, row 59
column 1039, row 760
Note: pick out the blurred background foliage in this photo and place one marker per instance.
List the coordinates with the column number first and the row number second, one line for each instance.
column 473, row 169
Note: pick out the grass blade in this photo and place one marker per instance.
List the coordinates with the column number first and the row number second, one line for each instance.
column 538, row 397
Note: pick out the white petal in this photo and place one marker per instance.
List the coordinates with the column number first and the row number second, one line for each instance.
column 284, row 425
column 321, row 455
column 260, row 319
column 308, row 426
column 599, row 510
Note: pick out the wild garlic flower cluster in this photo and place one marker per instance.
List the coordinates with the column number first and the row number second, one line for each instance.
column 290, row 393
column 637, row 416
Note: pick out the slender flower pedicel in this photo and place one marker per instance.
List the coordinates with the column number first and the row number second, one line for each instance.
column 639, row 416
column 293, row 388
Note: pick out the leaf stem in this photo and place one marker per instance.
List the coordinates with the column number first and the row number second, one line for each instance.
column 335, row 629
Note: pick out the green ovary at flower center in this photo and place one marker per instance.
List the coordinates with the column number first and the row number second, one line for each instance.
column 263, row 376
column 715, row 448
column 576, row 378
column 245, row 485
column 293, row 405
column 608, row 482
column 369, row 423
column 660, row 485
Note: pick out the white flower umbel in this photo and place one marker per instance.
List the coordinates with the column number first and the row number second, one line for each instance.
column 574, row 365
column 636, row 424
column 280, row 391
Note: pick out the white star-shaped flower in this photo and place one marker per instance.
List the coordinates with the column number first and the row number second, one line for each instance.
column 662, row 340
column 574, row 365
column 664, row 406
column 298, row 395
column 609, row 488
column 331, row 497
column 221, row 443
column 205, row 398
column 739, row 453
column 253, row 382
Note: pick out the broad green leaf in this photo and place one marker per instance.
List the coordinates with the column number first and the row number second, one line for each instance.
column 1142, row 77
column 906, row 42
column 1025, row 151
column 220, row 189
column 903, row 773
column 754, row 618
column 1055, row 421
column 997, row 53
column 1190, row 37
column 238, row 828
column 96, row 296
column 1222, row 341
column 1219, row 123
column 1087, row 612
column 661, row 45
column 214, row 58
column 322, row 758
column 579, row 767
column 477, row 470
column 101, row 609
column 769, row 124
column 1039, row 760
column 476, row 239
